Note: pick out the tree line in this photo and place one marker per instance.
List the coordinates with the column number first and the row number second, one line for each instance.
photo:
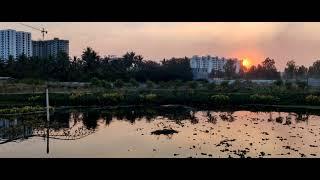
column 90, row 65
column 132, row 66
column 268, row 70
column 265, row 70
column 293, row 71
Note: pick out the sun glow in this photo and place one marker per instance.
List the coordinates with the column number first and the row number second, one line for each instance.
column 246, row 63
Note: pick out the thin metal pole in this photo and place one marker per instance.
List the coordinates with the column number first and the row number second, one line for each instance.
column 48, row 118
column 47, row 99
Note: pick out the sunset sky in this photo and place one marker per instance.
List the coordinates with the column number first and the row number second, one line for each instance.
column 157, row 40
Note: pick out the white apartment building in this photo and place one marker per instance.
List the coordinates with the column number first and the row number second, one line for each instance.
column 14, row 43
column 202, row 66
column 24, row 43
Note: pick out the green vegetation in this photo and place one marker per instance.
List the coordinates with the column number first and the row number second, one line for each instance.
column 220, row 99
column 119, row 83
column 313, row 100
column 263, row 99
column 150, row 84
column 25, row 109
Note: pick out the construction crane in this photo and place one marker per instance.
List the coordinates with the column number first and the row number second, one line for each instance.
column 43, row 31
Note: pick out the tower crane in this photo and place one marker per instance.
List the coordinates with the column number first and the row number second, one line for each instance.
column 42, row 30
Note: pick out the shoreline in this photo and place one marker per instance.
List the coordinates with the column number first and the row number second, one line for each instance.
column 247, row 107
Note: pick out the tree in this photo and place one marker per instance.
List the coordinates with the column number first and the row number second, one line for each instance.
column 62, row 66
column 290, row 70
column 230, row 69
column 269, row 69
column 266, row 70
column 302, row 72
column 91, row 62
column 314, row 70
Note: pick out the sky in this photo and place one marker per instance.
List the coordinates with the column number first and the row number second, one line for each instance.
column 281, row 41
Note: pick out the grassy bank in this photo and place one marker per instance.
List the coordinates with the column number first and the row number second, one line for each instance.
column 161, row 97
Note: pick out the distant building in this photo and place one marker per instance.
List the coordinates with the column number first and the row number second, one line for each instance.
column 202, row 66
column 14, row 43
column 45, row 49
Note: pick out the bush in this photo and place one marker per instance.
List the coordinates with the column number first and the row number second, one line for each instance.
column 25, row 109
column 220, row 99
column 134, row 83
column 32, row 81
column 177, row 83
column 278, row 82
column 150, row 97
column 95, row 81
column 288, row 85
column 192, row 84
column 313, row 100
column 112, row 98
column 302, row 84
column 34, row 98
column 211, row 86
column 106, row 84
column 224, row 84
column 263, row 99
column 119, row 83
column 150, row 84
column 76, row 96
column 163, row 84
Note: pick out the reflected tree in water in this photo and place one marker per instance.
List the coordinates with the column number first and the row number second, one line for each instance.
column 193, row 118
column 211, row 118
column 227, row 116
column 302, row 117
column 90, row 119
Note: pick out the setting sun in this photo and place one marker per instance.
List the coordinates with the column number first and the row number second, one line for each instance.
column 246, row 62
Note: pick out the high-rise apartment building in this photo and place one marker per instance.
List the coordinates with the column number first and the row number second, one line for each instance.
column 24, row 44
column 202, row 66
column 14, row 43
column 45, row 49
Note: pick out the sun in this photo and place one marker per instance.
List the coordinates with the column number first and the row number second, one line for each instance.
column 246, row 62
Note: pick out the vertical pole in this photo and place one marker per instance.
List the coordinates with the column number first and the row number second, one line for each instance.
column 48, row 118
column 47, row 99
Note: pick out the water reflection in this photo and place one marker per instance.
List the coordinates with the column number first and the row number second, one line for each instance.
column 77, row 124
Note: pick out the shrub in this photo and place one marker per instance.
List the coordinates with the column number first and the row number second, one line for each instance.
column 119, row 83
column 211, row 86
column 224, row 84
column 288, row 85
column 150, row 84
column 95, row 81
column 25, row 109
column 192, row 84
column 134, row 83
column 177, row 83
column 112, row 98
column 150, row 97
column 278, row 82
column 301, row 84
column 263, row 99
column 76, row 97
column 220, row 99
column 313, row 100
column 163, row 84
column 34, row 98
column 106, row 84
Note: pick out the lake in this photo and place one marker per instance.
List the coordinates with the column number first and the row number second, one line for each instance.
column 127, row 132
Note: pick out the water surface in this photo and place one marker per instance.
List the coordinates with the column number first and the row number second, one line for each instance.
column 126, row 132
